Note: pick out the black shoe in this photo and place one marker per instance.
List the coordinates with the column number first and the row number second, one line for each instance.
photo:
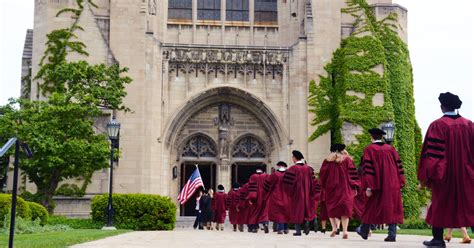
column 306, row 228
column 316, row 225
column 435, row 243
column 359, row 231
column 389, row 239
column 297, row 234
column 265, row 228
column 280, row 232
column 286, row 231
column 338, row 231
column 323, row 231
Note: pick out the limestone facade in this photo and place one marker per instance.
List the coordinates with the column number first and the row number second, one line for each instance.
column 223, row 94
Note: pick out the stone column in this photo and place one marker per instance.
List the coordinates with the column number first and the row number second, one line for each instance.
column 224, row 173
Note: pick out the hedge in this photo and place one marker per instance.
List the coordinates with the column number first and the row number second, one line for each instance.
column 22, row 208
column 75, row 223
column 38, row 211
column 136, row 211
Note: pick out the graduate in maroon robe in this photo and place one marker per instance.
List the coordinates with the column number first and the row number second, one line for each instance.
column 383, row 180
column 298, row 183
column 278, row 210
column 219, row 207
column 231, row 203
column 339, row 180
column 243, row 206
column 447, row 168
column 258, row 213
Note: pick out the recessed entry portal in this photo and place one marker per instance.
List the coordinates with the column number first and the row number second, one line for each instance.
column 241, row 172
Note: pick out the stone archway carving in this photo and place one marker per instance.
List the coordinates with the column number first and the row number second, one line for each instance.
column 197, row 146
column 230, row 95
column 249, row 147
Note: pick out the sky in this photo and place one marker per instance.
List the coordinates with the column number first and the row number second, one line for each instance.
column 440, row 39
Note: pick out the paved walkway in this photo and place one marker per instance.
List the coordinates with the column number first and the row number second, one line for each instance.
column 185, row 238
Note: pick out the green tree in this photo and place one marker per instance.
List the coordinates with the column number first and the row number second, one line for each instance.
column 60, row 129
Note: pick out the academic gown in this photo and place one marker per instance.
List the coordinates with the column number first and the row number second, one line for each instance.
column 384, row 174
column 278, row 210
column 243, row 205
column 205, row 205
column 231, row 204
column 298, row 183
column 339, row 181
column 219, row 207
column 447, row 168
column 258, row 212
column 361, row 198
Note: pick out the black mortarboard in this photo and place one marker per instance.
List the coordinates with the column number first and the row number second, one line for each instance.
column 376, row 131
column 450, row 100
column 297, row 154
column 338, row 147
column 220, row 187
column 236, row 185
column 281, row 163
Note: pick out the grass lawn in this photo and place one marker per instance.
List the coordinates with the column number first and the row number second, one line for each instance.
column 424, row 232
column 57, row 239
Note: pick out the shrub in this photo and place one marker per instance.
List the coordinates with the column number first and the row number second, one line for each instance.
column 137, row 211
column 22, row 208
column 75, row 223
column 23, row 226
column 38, row 212
column 415, row 223
column 28, row 196
column 70, row 190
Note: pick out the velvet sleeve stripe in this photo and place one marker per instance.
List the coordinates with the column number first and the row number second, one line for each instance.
column 369, row 168
column 370, row 173
column 354, row 178
column 435, row 140
column 434, row 155
column 436, row 148
column 352, row 169
column 368, row 161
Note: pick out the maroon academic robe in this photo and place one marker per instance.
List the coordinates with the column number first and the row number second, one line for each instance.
column 219, row 207
column 384, row 174
column 360, row 199
column 258, row 209
column 447, row 168
column 338, row 181
column 231, row 204
column 243, row 206
column 298, row 183
column 278, row 209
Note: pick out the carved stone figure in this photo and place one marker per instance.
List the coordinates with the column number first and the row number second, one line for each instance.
column 224, row 123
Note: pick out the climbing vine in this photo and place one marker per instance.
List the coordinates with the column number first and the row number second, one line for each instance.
column 373, row 61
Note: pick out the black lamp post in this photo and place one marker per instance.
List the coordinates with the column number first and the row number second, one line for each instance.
column 113, row 128
column 389, row 129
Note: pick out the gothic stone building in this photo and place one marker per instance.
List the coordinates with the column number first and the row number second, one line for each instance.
column 218, row 83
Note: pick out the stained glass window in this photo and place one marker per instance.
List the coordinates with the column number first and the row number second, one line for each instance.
column 266, row 12
column 209, row 10
column 237, row 10
column 180, row 10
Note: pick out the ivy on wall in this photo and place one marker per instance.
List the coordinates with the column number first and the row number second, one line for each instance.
column 370, row 62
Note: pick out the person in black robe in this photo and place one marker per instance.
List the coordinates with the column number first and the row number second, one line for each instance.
column 205, row 205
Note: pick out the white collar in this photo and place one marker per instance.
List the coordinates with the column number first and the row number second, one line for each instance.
column 377, row 141
column 281, row 169
column 221, row 191
column 301, row 162
column 450, row 113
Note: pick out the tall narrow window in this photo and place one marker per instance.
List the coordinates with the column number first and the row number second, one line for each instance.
column 180, row 10
column 237, row 11
column 266, row 12
column 209, row 10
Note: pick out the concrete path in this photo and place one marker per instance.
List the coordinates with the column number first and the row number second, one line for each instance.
column 188, row 238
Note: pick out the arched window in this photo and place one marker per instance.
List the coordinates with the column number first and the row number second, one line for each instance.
column 266, row 12
column 249, row 147
column 237, row 10
column 180, row 10
column 209, row 10
column 199, row 146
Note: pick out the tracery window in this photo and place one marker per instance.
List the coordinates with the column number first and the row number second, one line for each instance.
column 199, row 146
column 180, row 10
column 266, row 12
column 237, row 10
column 249, row 147
column 209, row 10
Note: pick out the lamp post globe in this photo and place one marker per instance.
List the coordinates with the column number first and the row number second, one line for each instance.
column 389, row 129
column 113, row 130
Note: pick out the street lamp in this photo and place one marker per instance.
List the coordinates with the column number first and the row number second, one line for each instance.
column 389, row 129
column 113, row 129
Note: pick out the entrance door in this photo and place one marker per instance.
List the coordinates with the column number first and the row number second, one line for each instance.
column 208, row 175
column 242, row 172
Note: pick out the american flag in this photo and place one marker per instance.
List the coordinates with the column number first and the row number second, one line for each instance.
column 190, row 187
